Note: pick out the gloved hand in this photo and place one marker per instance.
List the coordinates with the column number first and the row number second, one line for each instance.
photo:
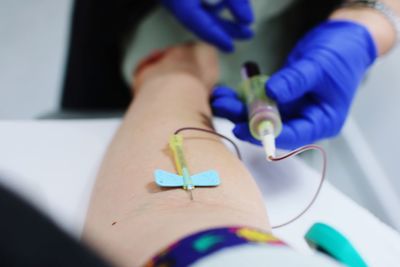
column 314, row 89
column 203, row 20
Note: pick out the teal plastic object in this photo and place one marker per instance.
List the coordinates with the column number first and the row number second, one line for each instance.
column 326, row 239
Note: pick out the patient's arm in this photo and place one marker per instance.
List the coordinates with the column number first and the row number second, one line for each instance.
column 129, row 217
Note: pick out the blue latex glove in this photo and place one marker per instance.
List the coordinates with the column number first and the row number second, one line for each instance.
column 314, row 89
column 203, row 20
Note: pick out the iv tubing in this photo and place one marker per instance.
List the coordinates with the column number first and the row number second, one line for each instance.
column 278, row 158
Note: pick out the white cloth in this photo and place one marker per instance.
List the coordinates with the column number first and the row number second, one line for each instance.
column 261, row 256
column 54, row 163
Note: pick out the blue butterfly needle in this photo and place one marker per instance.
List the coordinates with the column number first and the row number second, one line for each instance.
column 184, row 179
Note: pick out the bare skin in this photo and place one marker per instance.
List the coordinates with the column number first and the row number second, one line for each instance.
column 379, row 26
column 129, row 217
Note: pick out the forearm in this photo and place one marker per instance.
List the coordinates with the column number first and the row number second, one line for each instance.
column 128, row 208
column 378, row 25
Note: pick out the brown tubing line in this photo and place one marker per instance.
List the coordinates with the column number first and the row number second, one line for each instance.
column 279, row 158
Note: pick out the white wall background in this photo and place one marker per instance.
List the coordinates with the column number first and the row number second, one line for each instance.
column 33, row 44
column 362, row 160
column 377, row 111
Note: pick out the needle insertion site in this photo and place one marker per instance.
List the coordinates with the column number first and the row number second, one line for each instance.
column 184, row 179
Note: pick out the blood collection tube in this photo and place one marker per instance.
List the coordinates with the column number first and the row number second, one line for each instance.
column 264, row 120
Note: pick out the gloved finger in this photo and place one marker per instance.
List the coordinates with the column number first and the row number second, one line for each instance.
column 292, row 110
column 294, row 81
column 208, row 29
column 235, row 30
column 241, row 10
column 242, row 132
column 314, row 123
column 295, row 133
column 230, row 108
column 214, row 6
column 200, row 22
column 222, row 90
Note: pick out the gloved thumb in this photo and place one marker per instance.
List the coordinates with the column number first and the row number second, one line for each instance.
column 293, row 81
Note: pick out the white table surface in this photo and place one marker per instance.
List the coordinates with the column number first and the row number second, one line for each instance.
column 53, row 164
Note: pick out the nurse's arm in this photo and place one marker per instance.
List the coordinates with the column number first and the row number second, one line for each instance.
column 378, row 25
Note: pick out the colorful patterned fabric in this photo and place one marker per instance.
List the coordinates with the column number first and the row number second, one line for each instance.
column 200, row 245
